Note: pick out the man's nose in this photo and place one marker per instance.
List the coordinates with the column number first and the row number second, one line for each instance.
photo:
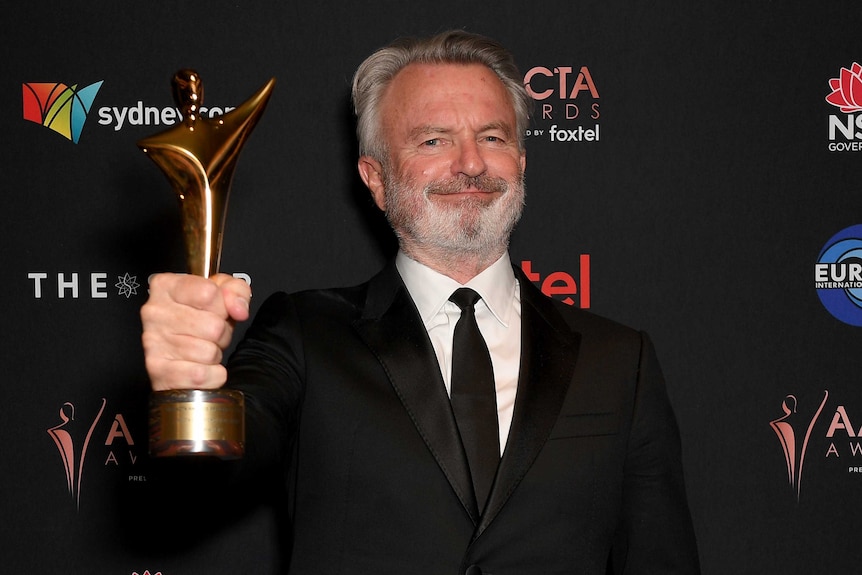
column 468, row 160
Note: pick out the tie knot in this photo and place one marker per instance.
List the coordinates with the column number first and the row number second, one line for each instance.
column 464, row 298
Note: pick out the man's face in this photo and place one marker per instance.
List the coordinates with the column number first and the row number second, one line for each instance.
column 454, row 179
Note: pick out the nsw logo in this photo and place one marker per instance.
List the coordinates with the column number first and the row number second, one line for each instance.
column 845, row 130
column 847, row 89
column 59, row 107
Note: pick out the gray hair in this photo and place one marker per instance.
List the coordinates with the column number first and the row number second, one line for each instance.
column 453, row 47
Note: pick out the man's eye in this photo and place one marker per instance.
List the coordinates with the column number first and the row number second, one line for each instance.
column 431, row 142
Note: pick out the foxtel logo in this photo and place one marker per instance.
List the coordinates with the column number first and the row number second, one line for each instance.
column 59, row 107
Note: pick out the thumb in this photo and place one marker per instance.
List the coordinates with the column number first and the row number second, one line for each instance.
column 236, row 294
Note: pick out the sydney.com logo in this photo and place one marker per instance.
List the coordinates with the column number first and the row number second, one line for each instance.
column 59, row 107
column 64, row 109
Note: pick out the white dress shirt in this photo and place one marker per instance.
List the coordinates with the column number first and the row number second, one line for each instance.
column 498, row 314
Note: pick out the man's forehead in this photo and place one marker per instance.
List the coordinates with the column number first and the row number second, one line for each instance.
column 419, row 84
column 433, row 72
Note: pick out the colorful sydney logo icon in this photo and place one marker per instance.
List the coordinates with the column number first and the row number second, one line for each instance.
column 59, row 107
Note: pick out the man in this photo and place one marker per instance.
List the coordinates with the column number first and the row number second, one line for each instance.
column 355, row 390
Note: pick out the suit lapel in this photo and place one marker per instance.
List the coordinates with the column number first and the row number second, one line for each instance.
column 549, row 351
column 390, row 325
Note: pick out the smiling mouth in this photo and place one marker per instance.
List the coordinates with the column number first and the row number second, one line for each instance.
column 467, row 192
column 476, row 186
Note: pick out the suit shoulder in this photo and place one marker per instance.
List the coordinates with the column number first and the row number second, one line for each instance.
column 317, row 301
column 566, row 317
column 589, row 325
column 587, row 321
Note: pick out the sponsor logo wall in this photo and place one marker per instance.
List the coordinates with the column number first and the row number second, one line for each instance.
column 677, row 181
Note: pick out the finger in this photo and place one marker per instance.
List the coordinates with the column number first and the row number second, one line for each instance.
column 236, row 294
column 182, row 348
column 178, row 374
column 168, row 318
column 189, row 290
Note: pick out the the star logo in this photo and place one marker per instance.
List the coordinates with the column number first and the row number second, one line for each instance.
column 127, row 285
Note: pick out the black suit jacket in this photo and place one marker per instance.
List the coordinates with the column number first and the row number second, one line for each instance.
column 343, row 386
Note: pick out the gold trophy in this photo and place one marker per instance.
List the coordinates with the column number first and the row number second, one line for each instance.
column 198, row 156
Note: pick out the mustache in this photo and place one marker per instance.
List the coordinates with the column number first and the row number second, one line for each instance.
column 457, row 184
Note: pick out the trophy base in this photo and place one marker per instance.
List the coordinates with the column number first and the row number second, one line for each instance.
column 197, row 423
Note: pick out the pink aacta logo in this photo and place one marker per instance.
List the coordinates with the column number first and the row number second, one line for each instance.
column 789, row 428
column 72, row 443
column 847, row 89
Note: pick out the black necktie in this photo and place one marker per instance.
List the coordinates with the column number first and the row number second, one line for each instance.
column 474, row 396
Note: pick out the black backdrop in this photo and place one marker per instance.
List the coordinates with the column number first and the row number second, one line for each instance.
column 697, row 210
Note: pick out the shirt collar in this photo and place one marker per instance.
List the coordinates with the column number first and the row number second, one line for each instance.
column 430, row 290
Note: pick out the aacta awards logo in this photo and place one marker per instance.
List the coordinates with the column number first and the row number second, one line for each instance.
column 804, row 442
column 569, row 107
column 74, row 435
column 795, row 445
column 838, row 275
column 59, row 107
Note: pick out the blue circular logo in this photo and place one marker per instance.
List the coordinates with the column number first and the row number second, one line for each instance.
column 838, row 275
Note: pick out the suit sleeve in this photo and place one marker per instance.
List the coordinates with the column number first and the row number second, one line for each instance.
column 655, row 534
column 268, row 368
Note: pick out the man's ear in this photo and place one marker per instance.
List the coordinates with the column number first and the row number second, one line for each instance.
column 371, row 172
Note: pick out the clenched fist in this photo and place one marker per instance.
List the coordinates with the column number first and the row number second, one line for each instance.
column 188, row 322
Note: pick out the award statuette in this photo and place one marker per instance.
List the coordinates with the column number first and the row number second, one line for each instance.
column 198, row 156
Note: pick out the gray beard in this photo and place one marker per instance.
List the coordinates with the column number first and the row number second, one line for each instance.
column 475, row 227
